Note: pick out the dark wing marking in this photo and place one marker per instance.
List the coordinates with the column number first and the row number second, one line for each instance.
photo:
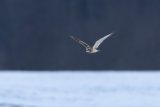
column 80, row 42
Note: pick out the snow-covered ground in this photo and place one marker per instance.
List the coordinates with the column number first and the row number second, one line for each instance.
column 86, row 89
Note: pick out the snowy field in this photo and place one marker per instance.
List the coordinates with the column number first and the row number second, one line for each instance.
column 86, row 89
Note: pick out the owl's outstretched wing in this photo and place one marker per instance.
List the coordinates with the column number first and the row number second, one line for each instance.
column 80, row 42
column 98, row 42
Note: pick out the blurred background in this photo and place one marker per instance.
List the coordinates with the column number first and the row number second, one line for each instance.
column 34, row 34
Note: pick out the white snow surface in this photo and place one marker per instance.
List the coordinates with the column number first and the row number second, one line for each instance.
column 80, row 89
